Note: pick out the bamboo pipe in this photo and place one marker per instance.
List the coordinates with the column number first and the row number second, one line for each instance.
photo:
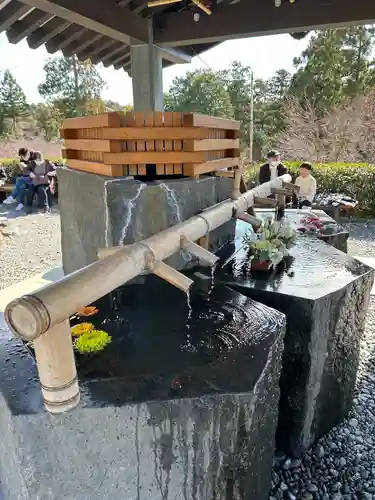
column 171, row 275
column 106, row 252
column 267, row 202
column 205, row 257
column 57, row 368
column 281, row 191
column 292, row 187
column 236, row 187
column 250, row 219
column 32, row 315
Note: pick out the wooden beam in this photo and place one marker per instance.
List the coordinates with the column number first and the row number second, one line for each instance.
column 94, row 121
column 197, row 120
column 10, row 13
column 47, row 32
column 104, row 55
column 29, row 24
column 210, row 166
column 246, row 19
column 153, row 157
column 95, row 48
column 59, row 42
column 211, row 144
column 154, row 133
column 109, row 20
column 121, row 61
column 81, row 44
column 97, row 168
column 88, row 145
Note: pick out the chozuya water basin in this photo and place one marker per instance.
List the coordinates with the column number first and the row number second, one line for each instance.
column 182, row 405
column 324, row 294
column 314, row 268
column 164, row 346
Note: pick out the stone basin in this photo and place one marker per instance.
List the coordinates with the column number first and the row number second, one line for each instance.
column 335, row 234
column 324, row 294
column 183, row 405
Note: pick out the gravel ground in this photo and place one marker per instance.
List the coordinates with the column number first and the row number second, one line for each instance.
column 342, row 464
column 34, row 249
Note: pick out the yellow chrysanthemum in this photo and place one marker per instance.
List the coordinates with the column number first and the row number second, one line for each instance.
column 81, row 329
column 93, row 341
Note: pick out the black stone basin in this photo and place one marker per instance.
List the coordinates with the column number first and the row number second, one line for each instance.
column 333, row 234
column 166, row 347
column 324, row 294
column 313, row 270
column 182, row 405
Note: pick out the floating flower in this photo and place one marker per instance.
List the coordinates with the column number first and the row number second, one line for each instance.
column 87, row 311
column 81, row 329
column 93, row 341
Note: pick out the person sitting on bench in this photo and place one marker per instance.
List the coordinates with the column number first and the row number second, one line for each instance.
column 18, row 193
column 307, row 184
column 41, row 173
column 273, row 168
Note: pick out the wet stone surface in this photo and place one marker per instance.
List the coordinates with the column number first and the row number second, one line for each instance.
column 182, row 406
column 324, row 295
column 333, row 234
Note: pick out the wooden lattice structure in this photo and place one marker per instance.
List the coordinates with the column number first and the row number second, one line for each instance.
column 121, row 144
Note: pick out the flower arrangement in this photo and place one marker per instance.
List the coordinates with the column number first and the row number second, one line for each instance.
column 92, row 341
column 268, row 246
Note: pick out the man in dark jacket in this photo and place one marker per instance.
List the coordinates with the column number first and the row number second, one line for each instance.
column 273, row 168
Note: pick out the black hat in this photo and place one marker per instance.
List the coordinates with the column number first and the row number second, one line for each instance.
column 273, row 153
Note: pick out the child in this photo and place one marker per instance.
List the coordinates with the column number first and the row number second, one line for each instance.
column 307, row 185
column 41, row 173
column 22, row 181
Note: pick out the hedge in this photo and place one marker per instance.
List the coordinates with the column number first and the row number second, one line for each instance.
column 355, row 179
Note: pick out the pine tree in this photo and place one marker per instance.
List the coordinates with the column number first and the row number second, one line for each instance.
column 12, row 99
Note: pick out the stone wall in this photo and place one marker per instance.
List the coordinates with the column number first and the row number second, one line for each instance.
column 98, row 212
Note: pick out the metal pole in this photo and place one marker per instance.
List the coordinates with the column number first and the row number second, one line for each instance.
column 251, row 121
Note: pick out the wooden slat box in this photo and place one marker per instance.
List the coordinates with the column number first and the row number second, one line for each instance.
column 120, row 144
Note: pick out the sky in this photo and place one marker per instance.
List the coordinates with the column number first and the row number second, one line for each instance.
column 264, row 54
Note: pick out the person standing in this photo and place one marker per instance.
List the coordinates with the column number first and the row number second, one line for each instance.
column 307, row 184
column 273, row 168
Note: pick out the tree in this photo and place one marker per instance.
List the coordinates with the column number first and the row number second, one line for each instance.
column 12, row 99
column 335, row 65
column 48, row 119
column 202, row 91
column 71, row 85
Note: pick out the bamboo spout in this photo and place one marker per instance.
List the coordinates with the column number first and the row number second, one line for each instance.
column 205, row 257
column 266, row 202
column 168, row 273
column 250, row 219
column 281, row 191
column 291, row 187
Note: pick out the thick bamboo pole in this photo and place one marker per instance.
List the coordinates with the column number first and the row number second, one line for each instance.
column 31, row 316
column 57, row 369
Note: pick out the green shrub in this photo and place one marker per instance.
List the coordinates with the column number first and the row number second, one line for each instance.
column 353, row 179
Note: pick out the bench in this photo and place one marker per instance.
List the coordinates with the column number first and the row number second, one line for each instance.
column 5, row 190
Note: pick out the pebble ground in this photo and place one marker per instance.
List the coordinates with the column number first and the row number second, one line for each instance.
column 341, row 466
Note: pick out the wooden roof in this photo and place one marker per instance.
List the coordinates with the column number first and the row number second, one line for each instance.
column 103, row 30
